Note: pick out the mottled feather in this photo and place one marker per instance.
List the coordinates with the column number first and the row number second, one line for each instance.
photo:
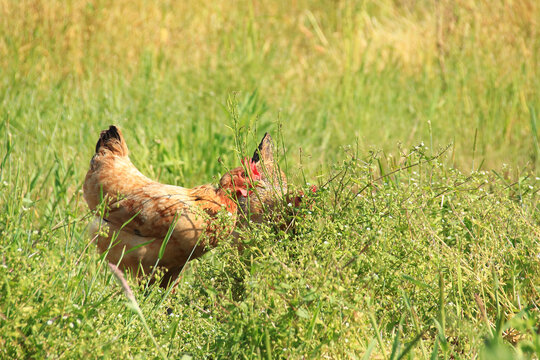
column 140, row 211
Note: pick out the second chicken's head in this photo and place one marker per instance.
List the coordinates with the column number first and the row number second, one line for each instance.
column 242, row 179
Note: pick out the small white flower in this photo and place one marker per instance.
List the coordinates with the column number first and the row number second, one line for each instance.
column 49, row 322
column 289, row 204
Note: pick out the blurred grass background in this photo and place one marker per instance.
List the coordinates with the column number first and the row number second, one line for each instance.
column 383, row 72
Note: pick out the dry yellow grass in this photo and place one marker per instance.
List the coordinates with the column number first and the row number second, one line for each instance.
column 79, row 37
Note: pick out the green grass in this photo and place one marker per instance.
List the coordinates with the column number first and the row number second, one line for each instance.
column 421, row 133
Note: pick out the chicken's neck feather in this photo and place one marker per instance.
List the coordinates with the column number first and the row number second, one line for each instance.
column 214, row 198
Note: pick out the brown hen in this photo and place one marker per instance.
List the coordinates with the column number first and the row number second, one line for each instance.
column 138, row 212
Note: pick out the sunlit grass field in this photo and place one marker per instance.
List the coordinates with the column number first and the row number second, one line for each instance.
column 417, row 120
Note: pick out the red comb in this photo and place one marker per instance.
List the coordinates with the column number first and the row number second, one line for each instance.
column 249, row 164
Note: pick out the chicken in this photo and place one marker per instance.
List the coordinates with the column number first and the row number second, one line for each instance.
column 262, row 205
column 139, row 213
column 270, row 189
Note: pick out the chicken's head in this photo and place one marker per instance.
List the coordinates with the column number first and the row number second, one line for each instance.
column 242, row 179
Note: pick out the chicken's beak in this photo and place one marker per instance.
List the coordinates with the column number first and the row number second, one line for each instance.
column 248, row 187
column 242, row 186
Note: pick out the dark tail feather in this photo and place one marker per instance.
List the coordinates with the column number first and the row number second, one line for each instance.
column 265, row 150
column 113, row 141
